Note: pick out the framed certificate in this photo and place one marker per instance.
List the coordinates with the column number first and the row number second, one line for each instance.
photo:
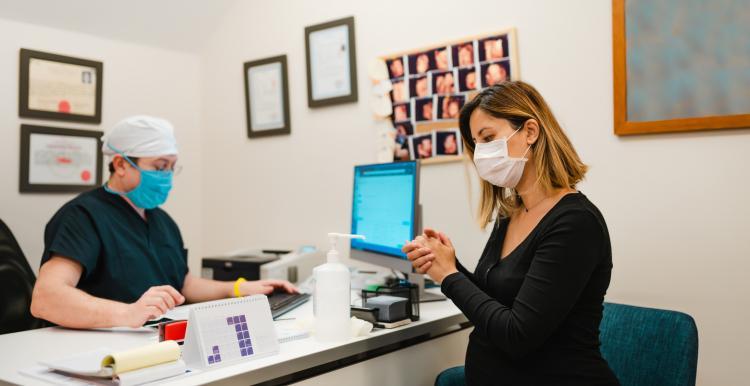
column 59, row 87
column 56, row 160
column 331, row 64
column 267, row 97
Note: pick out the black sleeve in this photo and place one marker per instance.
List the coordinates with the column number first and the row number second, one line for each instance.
column 71, row 233
column 562, row 264
column 493, row 236
column 464, row 271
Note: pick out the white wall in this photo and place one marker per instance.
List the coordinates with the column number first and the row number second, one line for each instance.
column 675, row 204
column 137, row 80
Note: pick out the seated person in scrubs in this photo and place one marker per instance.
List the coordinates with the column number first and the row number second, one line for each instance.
column 112, row 257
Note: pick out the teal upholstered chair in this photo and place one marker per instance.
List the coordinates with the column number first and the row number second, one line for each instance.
column 647, row 346
column 643, row 346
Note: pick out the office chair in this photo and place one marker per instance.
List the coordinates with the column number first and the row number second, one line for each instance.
column 16, row 283
column 643, row 346
column 648, row 346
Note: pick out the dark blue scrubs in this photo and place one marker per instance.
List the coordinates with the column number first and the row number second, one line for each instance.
column 122, row 254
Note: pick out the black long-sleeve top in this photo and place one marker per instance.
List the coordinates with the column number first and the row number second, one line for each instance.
column 536, row 313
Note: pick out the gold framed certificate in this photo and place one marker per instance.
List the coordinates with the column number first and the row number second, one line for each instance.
column 59, row 87
column 57, row 160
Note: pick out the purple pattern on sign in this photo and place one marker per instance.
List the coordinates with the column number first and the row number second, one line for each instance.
column 216, row 357
column 243, row 337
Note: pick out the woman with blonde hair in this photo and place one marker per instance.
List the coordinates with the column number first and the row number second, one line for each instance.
column 536, row 296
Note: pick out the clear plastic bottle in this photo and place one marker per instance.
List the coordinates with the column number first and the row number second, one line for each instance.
column 332, row 295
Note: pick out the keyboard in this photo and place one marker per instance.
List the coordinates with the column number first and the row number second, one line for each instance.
column 283, row 302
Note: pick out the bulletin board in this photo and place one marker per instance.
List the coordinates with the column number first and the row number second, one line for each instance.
column 430, row 85
column 680, row 65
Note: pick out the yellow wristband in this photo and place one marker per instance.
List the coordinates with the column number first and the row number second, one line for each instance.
column 237, row 283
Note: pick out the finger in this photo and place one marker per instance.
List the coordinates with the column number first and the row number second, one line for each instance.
column 167, row 298
column 423, row 260
column 153, row 312
column 158, row 302
column 266, row 289
column 285, row 285
column 289, row 287
column 423, row 269
column 176, row 295
column 418, row 253
column 409, row 246
column 445, row 240
column 429, row 232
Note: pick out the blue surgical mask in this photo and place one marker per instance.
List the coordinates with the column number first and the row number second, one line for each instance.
column 153, row 189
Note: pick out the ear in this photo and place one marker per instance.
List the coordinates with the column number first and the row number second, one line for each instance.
column 532, row 131
column 120, row 164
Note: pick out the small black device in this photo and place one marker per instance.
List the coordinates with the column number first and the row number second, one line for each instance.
column 283, row 302
column 368, row 314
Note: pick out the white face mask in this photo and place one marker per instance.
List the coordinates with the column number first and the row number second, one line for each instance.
column 495, row 166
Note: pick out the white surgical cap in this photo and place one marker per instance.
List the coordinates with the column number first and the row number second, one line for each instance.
column 140, row 136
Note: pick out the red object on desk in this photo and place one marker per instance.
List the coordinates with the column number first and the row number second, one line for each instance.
column 173, row 331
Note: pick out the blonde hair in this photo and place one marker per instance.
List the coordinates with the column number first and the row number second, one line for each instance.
column 556, row 161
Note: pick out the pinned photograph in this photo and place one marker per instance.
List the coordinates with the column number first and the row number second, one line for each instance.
column 401, row 112
column 444, row 82
column 450, row 106
column 494, row 73
column 448, row 142
column 463, row 54
column 421, row 146
column 399, row 91
column 467, row 79
column 493, row 48
column 419, row 86
column 422, row 62
column 395, row 67
column 442, row 58
column 423, row 109
column 403, row 131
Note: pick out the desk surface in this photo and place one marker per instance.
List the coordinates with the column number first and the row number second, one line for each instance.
column 23, row 349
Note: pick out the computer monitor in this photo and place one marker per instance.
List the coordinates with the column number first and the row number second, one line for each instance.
column 386, row 210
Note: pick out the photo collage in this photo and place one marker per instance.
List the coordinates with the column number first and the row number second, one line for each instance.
column 433, row 85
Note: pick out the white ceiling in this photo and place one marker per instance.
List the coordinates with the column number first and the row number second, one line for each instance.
column 175, row 24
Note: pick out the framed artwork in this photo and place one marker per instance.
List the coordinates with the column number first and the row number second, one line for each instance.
column 267, row 97
column 430, row 85
column 59, row 87
column 680, row 66
column 331, row 63
column 57, row 160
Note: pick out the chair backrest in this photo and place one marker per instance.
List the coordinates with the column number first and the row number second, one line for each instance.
column 16, row 284
column 648, row 346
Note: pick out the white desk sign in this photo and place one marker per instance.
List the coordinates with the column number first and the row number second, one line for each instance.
column 230, row 330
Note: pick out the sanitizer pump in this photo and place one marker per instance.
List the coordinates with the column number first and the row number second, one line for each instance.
column 332, row 295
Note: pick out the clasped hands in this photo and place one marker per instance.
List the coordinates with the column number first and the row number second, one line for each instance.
column 432, row 253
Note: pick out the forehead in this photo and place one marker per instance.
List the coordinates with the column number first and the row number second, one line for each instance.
column 480, row 120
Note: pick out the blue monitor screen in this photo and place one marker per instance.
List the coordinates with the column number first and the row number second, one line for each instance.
column 383, row 208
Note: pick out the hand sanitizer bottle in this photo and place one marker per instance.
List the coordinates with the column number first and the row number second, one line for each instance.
column 332, row 295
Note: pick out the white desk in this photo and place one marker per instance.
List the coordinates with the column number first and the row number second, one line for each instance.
column 297, row 360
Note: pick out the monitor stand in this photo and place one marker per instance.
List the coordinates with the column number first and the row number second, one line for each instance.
column 424, row 296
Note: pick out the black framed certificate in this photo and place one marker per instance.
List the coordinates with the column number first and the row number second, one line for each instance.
column 59, row 87
column 57, row 160
column 331, row 63
column 267, row 97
